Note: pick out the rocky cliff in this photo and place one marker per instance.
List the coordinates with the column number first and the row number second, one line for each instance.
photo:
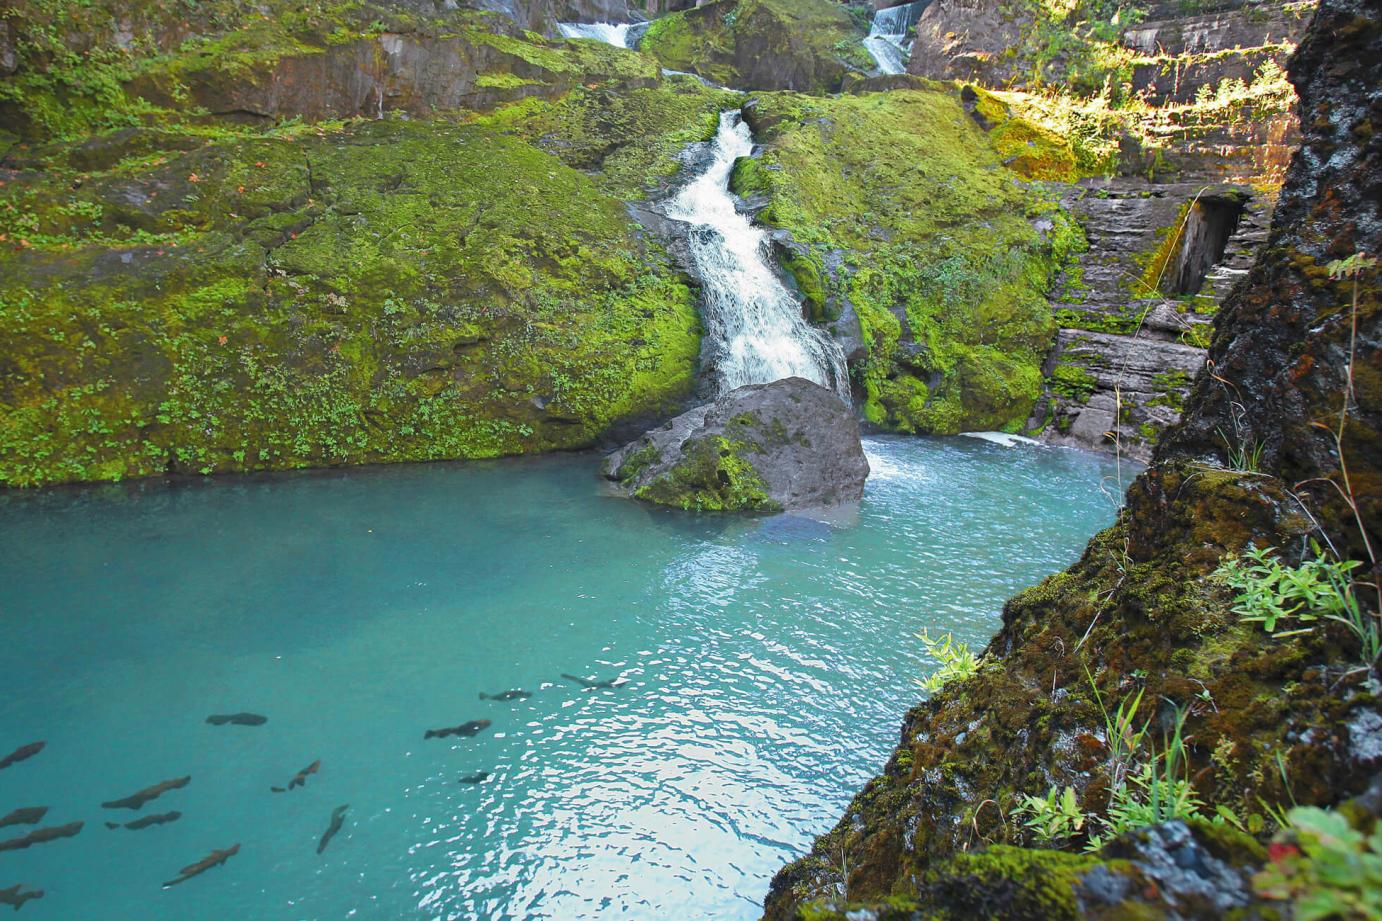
column 805, row 45
column 1182, row 125
column 1140, row 626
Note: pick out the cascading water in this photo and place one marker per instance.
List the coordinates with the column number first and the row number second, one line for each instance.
column 755, row 330
column 889, row 39
column 619, row 34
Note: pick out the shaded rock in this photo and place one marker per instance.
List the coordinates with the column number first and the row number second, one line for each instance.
column 804, row 45
column 786, row 445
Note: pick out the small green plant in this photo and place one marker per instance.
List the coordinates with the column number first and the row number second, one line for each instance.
column 956, row 661
column 1270, row 592
column 1325, row 867
column 1158, row 791
column 1056, row 817
column 1243, row 456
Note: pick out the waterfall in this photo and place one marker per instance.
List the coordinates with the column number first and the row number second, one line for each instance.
column 889, row 40
column 755, row 331
column 619, row 34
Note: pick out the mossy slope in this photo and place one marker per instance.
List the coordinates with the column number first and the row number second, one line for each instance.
column 217, row 300
column 898, row 211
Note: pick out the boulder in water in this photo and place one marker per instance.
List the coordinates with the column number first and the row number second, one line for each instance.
column 782, row 446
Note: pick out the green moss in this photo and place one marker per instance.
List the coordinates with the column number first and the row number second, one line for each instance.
column 388, row 291
column 1013, row 882
column 630, row 137
column 1073, row 382
column 808, row 45
column 807, row 273
column 934, row 234
column 1034, row 152
column 713, row 474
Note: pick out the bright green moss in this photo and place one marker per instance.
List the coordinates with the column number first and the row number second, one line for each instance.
column 631, row 137
column 935, row 234
column 1073, row 381
column 712, row 475
column 389, row 291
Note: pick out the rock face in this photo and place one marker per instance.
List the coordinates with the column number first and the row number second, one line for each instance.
column 935, row 834
column 782, row 446
column 1135, row 307
column 1172, row 223
column 805, row 45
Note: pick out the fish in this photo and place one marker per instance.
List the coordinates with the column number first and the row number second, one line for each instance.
column 29, row 815
column 593, row 685
column 22, row 753
column 301, row 778
column 237, row 719
column 12, row 896
column 337, row 820
column 214, row 859
column 162, row 818
column 508, row 695
column 41, row 836
column 137, row 800
column 465, row 729
column 477, row 777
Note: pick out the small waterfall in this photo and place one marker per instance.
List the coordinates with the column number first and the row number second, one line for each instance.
column 755, row 330
column 889, row 39
column 619, row 34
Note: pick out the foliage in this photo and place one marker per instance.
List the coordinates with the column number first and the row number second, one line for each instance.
column 956, row 661
column 1325, row 868
column 1319, row 588
column 1054, row 818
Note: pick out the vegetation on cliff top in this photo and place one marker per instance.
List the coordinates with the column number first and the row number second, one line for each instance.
column 804, row 45
column 898, row 206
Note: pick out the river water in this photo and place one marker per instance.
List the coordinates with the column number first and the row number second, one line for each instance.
column 763, row 665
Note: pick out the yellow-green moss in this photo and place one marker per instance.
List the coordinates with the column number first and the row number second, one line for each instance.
column 934, row 232
column 386, row 291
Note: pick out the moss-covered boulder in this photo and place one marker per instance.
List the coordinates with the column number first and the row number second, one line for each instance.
column 905, row 231
column 804, row 45
column 216, row 299
column 772, row 447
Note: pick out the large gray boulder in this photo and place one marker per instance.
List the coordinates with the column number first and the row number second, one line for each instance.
column 783, row 446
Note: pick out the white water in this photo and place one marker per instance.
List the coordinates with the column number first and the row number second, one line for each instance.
column 1001, row 438
column 889, row 39
column 613, row 33
column 754, row 326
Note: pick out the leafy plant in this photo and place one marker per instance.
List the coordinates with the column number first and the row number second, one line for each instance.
column 1158, row 791
column 1331, row 870
column 956, row 660
column 1055, row 817
column 1318, row 589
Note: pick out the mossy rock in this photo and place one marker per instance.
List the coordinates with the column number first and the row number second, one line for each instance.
column 790, row 444
column 936, row 244
column 372, row 292
column 805, row 45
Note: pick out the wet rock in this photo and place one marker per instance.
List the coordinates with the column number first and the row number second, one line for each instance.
column 786, row 445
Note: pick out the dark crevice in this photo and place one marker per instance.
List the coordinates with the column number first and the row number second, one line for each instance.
column 1209, row 225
